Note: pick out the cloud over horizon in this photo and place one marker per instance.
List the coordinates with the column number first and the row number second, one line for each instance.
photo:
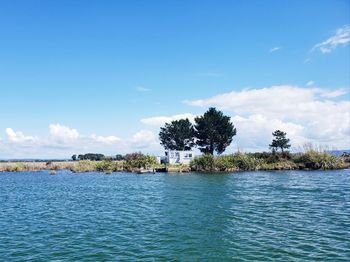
column 63, row 141
column 161, row 120
column 306, row 114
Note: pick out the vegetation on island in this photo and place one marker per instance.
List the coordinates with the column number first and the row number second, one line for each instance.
column 214, row 132
column 310, row 160
column 211, row 133
column 280, row 141
column 131, row 163
column 177, row 135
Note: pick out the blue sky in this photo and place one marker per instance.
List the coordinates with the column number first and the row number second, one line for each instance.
column 100, row 68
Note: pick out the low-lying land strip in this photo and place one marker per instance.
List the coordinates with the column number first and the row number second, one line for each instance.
column 311, row 160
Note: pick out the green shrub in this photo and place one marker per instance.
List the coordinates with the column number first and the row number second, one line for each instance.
column 139, row 160
column 84, row 166
column 282, row 165
column 18, row 167
column 246, row 161
column 226, row 163
column 272, row 157
column 204, row 163
column 104, row 166
column 318, row 160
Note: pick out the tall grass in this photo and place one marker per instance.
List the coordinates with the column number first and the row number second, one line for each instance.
column 310, row 159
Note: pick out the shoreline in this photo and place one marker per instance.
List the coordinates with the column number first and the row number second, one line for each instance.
column 98, row 166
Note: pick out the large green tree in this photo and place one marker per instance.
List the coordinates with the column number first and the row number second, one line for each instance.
column 213, row 131
column 279, row 141
column 177, row 135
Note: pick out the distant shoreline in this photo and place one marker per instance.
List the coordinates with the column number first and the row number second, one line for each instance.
column 207, row 163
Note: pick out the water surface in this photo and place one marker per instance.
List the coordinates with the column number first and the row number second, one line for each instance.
column 276, row 216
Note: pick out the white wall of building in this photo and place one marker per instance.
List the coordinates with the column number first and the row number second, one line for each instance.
column 179, row 157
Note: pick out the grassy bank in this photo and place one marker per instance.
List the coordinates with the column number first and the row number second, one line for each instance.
column 132, row 163
column 104, row 166
column 310, row 160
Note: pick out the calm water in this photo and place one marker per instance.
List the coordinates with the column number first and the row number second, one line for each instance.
column 277, row 216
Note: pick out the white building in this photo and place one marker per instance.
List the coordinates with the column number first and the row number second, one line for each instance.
column 179, row 157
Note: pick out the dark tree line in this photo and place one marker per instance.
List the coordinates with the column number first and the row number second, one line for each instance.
column 97, row 157
column 89, row 156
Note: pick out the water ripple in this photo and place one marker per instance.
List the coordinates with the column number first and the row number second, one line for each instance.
column 264, row 216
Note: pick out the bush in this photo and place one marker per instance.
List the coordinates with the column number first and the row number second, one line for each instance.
column 271, row 157
column 203, row 163
column 139, row 160
column 18, row 167
column 84, row 166
column 243, row 162
column 318, row 160
column 104, row 166
column 226, row 163
column 233, row 162
column 246, row 161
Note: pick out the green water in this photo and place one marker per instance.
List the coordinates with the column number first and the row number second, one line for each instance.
column 261, row 216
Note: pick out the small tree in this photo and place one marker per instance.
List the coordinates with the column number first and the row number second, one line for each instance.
column 279, row 141
column 214, row 131
column 74, row 157
column 119, row 157
column 178, row 135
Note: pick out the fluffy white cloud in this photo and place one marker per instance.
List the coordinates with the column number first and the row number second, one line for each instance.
column 63, row 141
column 307, row 114
column 18, row 137
column 254, row 132
column 341, row 37
column 105, row 139
column 161, row 120
column 144, row 139
column 335, row 93
column 63, row 134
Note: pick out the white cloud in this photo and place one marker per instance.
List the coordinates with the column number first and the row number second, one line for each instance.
column 335, row 93
column 161, row 120
column 18, row 137
column 341, row 37
column 310, row 83
column 142, row 89
column 63, row 141
column 305, row 113
column 63, row 134
column 144, row 139
column 274, row 49
column 254, row 131
column 105, row 139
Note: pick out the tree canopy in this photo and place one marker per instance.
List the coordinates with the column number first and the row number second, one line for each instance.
column 213, row 131
column 279, row 141
column 91, row 156
column 177, row 135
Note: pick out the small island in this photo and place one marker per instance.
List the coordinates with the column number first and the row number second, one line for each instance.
column 212, row 133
